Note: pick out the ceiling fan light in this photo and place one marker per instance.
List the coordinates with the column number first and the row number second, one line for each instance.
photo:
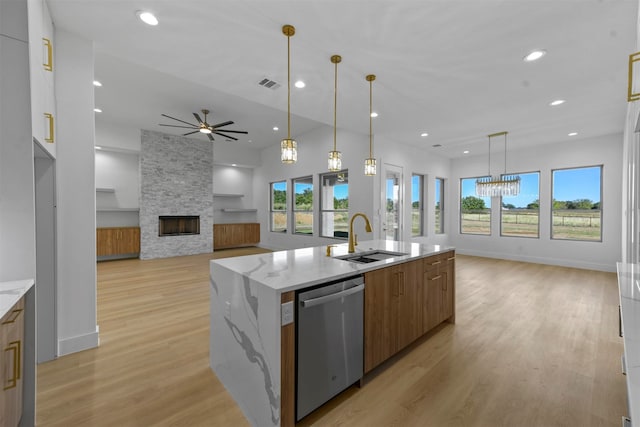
column 206, row 131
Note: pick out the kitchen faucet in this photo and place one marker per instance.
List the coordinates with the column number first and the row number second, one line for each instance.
column 352, row 237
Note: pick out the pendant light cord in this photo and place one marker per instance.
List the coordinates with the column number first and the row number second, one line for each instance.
column 370, row 118
column 335, row 104
column 289, row 87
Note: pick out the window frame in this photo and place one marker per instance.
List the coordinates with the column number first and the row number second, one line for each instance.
column 273, row 211
column 460, row 207
column 294, row 209
column 601, row 210
column 420, row 204
column 321, row 203
column 537, row 236
column 440, row 229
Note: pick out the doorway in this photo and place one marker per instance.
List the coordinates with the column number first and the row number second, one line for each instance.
column 45, row 200
column 392, row 203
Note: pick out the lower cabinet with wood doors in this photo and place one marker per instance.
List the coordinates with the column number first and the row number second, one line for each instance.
column 235, row 235
column 405, row 301
column 118, row 241
column 11, row 365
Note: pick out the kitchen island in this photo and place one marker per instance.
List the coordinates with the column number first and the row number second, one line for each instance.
column 252, row 338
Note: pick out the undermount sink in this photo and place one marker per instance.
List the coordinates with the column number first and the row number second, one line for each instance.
column 370, row 256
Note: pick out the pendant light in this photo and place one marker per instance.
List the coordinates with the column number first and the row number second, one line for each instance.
column 498, row 186
column 288, row 146
column 370, row 163
column 335, row 157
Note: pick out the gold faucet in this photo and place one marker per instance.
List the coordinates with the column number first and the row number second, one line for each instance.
column 352, row 237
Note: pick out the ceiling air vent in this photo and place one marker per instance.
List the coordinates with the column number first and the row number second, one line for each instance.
column 268, row 83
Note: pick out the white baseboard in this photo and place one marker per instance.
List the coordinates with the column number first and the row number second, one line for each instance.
column 79, row 343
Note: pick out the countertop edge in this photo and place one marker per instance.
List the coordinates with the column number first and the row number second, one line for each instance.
column 11, row 292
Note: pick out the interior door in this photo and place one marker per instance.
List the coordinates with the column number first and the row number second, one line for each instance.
column 392, row 203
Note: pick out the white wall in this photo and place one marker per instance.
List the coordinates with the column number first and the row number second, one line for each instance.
column 77, row 325
column 117, row 136
column 606, row 150
column 233, row 180
column 17, row 210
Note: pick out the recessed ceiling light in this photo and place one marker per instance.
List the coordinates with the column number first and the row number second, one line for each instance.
column 98, row 147
column 535, row 55
column 275, row 128
column 299, row 84
column 557, row 102
column 250, row 141
column 147, row 17
column 423, row 134
column 97, row 110
column 374, row 114
column 573, row 134
column 465, row 152
column 97, row 83
column 233, row 164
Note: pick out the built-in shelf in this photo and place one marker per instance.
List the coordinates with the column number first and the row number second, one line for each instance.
column 105, row 190
column 238, row 210
column 227, row 195
column 117, row 209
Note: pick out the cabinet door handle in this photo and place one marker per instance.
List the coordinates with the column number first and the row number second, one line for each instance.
column 15, row 347
column 436, row 277
column 401, row 282
column 49, row 118
column 436, row 262
column 451, row 259
column 14, row 315
column 49, row 64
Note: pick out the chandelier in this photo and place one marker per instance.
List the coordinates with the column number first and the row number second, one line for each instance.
column 503, row 185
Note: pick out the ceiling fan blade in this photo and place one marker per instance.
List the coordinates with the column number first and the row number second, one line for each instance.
column 232, row 131
column 222, row 124
column 190, row 133
column 177, row 126
column 210, row 137
column 173, row 118
column 226, row 136
column 198, row 118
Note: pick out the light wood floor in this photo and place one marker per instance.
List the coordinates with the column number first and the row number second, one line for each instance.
column 533, row 345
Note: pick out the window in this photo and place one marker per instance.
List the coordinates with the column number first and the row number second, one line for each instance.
column 519, row 216
column 439, row 207
column 417, row 210
column 475, row 212
column 303, row 205
column 335, row 204
column 576, row 208
column 279, row 207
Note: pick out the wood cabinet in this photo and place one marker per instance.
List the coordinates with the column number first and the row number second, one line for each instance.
column 393, row 311
column 403, row 302
column 235, row 235
column 12, row 365
column 117, row 241
column 439, row 286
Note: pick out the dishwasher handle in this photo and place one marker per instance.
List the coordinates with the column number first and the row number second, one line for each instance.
column 326, row 298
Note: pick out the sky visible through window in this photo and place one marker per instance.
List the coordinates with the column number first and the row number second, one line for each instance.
column 341, row 191
column 415, row 189
column 574, row 184
column 280, row 186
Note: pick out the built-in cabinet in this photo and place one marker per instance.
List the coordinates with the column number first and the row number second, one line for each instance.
column 12, row 365
column 43, row 94
column 235, row 235
column 112, row 241
column 405, row 301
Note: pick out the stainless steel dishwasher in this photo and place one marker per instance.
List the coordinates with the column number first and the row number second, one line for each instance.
column 329, row 342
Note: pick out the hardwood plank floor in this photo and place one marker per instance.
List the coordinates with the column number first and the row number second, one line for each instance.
column 533, row 345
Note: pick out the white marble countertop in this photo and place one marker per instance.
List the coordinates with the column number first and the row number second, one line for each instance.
column 289, row 270
column 629, row 286
column 11, row 292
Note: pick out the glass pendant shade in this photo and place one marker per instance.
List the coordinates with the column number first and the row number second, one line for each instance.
column 335, row 161
column 370, row 166
column 288, row 151
column 498, row 186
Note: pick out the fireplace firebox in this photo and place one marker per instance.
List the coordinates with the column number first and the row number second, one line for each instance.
column 178, row 225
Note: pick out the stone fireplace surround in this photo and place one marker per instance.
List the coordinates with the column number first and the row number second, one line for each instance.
column 176, row 179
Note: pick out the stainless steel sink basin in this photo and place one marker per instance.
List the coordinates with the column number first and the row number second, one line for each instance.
column 370, row 256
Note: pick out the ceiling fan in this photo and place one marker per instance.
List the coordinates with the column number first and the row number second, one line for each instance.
column 204, row 127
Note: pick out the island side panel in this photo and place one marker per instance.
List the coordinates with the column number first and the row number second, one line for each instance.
column 288, row 369
column 244, row 346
